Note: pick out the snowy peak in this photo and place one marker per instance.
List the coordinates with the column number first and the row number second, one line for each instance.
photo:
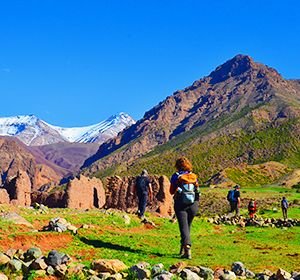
column 33, row 131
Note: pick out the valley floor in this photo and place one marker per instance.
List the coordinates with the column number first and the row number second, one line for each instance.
column 107, row 236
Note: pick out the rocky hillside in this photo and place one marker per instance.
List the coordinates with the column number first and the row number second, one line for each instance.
column 16, row 157
column 242, row 112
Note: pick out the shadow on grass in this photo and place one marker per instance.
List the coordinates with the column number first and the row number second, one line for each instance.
column 117, row 247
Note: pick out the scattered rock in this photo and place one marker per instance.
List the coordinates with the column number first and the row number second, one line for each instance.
column 111, row 266
column 32, row 254
column 164, row 276
column 4, row 259
column 258, row 222
column 127, row 219
column 186, row 274
column 177, row 268
column 140, row 270
column 117, row 276
column 296, row 275
column 3, row 276
column 206, row 273
column 249, row 274
column 39, row 263
column 282, row 274
column 55, row 258
column 16, row 219
column 61, row 270
column 238, row 268
column 15, row 265
column 60, row 225
column 157, row 269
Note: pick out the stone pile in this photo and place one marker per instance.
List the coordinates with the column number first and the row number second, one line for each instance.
column 16, row 261
column 60, row 225
column 258, row 222
column 32, row 262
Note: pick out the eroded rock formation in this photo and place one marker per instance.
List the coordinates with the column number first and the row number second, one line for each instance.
column 19, row 189
column 120, row 195
column 4, row 197
column 85, row 193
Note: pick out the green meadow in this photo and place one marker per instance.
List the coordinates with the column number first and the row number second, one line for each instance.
column 107, row 236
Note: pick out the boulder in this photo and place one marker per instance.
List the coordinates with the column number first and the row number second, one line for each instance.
column 15, row 265
column 61, row 270
column 111, row 266
column 238, row 268
column 3, row 276
column 187, row 274
column 117, row 276
column 282, row 274
column 140, row 270
column 165, row 276
column 157, row 269
column 4, row 259
column 206, row 273
column 249, row 274
column 55, row 258
column 32, row 254
column 296, row 275
column 16, row 219
column 39, row 264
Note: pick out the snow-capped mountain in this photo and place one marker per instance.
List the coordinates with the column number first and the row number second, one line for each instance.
column 35, row 132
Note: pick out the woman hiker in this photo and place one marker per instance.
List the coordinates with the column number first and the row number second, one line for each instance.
column 184, row 187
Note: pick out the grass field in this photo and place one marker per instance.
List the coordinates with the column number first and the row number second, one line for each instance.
column 213, row 245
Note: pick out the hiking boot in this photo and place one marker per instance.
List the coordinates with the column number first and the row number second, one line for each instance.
column 181, row 252
column 187, row 252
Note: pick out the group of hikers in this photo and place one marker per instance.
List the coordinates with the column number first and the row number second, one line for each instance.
column 234, row 199
column 185, row 190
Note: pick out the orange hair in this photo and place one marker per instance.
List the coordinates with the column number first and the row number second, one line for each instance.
column 183, row 164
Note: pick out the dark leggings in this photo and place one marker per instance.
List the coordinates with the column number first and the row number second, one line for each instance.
column 142, row 203
column 185, row 216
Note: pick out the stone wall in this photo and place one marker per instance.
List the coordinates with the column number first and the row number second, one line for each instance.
column 85, row 193
column 120, row 195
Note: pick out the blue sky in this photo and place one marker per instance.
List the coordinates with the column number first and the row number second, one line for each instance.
column 75, row 63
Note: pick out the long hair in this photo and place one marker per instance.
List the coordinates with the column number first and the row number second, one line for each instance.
column 183, row 164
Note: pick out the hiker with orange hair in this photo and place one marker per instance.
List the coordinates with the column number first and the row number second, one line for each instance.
column 184, row 187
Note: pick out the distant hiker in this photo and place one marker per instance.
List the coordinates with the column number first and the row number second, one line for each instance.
column 284, row 207
column 143, row 189
column 234, row 198
column 252, row 208
column 184, row 186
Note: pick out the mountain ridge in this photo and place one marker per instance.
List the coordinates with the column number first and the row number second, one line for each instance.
column 240, row 91
column 35, row 132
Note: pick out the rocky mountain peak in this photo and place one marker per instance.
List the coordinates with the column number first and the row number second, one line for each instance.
column 233, row 67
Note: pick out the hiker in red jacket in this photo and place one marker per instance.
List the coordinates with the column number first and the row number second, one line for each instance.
column 252, row 208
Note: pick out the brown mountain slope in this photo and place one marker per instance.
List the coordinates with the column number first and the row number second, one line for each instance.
column 68, row 156
column 239, row 85
column 15, row 157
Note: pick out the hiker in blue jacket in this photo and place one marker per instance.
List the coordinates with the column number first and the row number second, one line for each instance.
column 234, row 198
